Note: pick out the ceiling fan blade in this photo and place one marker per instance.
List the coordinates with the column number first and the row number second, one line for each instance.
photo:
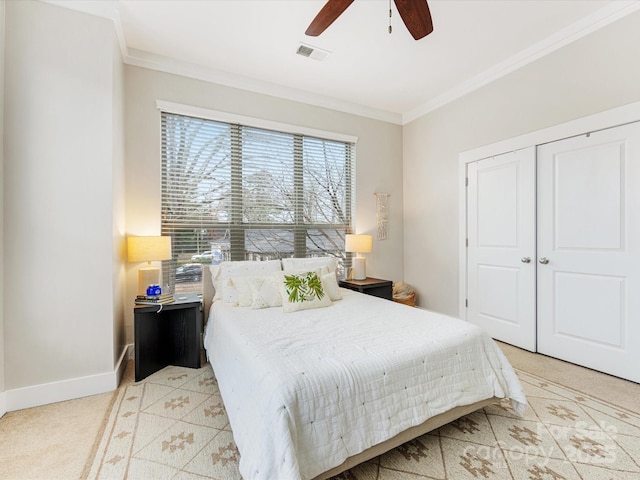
column 326, row 16
column 416, row 16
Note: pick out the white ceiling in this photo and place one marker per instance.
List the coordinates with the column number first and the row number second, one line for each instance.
column 252, row 44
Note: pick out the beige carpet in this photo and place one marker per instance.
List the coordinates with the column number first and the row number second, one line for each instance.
column 51, row 442
column 173, row 426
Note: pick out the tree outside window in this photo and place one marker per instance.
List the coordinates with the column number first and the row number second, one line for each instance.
column 235, row 192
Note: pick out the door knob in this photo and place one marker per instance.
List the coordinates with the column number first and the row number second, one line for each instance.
column 525, row 259
column 544, row 260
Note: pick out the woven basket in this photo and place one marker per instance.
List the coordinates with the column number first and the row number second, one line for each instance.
column 410, row 300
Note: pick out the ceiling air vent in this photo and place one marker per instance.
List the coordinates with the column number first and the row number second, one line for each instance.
column 305, row 51
column 312, row 52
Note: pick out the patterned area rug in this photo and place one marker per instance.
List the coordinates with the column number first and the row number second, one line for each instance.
column 173, row 425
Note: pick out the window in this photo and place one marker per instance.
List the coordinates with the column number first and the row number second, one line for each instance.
column 238, row 192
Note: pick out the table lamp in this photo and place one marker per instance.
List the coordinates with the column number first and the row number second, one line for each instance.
column 148, row 249
column 358, row 244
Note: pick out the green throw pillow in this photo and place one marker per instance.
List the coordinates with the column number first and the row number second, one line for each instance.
column 302, row 291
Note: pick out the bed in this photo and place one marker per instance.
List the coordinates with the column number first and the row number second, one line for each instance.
column 311, row 393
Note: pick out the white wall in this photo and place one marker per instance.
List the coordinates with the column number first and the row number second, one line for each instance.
column 596, row 73
column 379, row 157
column 3, row 408
column 118, row 194
column 63, row 200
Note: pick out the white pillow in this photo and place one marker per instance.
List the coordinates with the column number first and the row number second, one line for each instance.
column 226, row 290
column 264, row 293
column 241, row 285
column 308, row 264
column 257, row 292
column 331, row 287
column 302, row 291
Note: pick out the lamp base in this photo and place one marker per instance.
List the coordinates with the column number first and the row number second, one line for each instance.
column 147, row 276
column 359, row 270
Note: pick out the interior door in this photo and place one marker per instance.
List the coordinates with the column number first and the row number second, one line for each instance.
column 589, row 250
column 501, row 268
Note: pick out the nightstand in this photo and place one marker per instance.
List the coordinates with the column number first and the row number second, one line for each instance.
column 370, row 286
column 167, row 336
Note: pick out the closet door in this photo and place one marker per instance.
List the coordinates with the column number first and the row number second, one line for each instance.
column 589, row 250
column 501, row 257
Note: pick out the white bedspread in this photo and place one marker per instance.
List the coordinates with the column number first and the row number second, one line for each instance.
column 305, row 390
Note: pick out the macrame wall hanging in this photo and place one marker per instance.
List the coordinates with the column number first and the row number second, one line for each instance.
column 382, row 214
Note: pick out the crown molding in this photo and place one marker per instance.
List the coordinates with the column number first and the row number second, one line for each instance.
column 161, row 63
column 107, row 9
column 599, row 19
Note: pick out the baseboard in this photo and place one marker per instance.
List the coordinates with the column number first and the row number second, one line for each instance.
column 43, row 394
column 3, row 403
column 121, row 366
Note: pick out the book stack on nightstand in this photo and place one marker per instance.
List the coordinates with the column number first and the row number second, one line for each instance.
column 155, row 299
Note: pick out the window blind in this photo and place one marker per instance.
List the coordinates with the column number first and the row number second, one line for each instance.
column 237, row 192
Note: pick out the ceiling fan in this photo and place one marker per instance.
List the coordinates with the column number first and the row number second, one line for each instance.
column 414, row 13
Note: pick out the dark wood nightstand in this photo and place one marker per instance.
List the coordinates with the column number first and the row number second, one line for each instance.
column 370, row 286
column 167, row 336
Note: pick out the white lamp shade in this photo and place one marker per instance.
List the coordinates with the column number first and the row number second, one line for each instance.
column 148, row 249
column 358, row 243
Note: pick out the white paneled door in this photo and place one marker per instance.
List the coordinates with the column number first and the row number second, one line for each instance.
column 588, row 245
column 501, row 256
